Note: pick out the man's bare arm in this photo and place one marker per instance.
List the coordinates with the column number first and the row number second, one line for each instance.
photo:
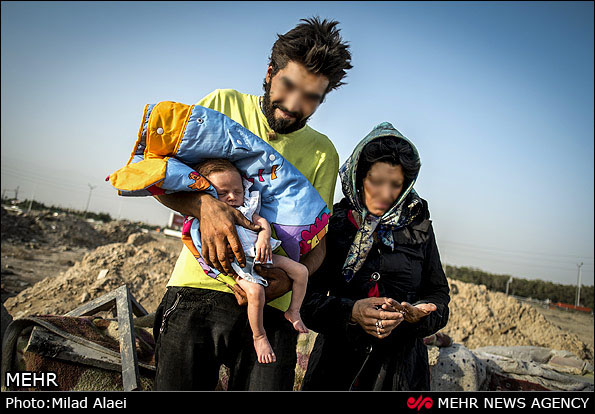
column 314, row 258
column 186, row 203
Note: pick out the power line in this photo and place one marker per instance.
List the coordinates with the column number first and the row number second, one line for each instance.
column 27, row 176
column 505, row 261
column 64, row 186
column 509, row 255
column 515, row 251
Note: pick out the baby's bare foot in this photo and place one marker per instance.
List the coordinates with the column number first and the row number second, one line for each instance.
column 264, row 352
column 296, row 320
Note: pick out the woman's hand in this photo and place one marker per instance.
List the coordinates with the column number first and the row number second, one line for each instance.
column 374, row 318
column 412, row 314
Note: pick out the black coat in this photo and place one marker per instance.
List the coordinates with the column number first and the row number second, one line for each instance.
column 344, row 356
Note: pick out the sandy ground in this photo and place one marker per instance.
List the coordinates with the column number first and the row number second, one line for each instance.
column 579, row 323
column 24, row 266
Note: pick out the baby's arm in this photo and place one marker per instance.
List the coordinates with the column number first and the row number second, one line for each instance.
column 263, row 249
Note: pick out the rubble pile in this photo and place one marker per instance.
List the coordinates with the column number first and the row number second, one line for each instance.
column 143, row 263
column 19, row 228
column 479, row 317
column 52, row 228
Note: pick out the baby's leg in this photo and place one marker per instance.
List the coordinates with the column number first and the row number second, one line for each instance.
column 298, row 273
column 256, row 302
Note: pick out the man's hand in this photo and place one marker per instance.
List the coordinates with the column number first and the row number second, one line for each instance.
column 217, row 227
column 239, row 293
column 279, row 282
column 412, row 314
column 374, row 318
column 218, row 234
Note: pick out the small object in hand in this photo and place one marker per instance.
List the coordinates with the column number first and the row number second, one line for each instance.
column 271, row 135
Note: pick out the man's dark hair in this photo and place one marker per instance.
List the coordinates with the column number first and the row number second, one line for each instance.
column 392, row 150
column 318, row 46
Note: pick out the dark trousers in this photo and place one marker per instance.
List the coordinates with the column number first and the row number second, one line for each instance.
column 197, row 330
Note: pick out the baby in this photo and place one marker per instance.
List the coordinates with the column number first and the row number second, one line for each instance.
column 258, row 248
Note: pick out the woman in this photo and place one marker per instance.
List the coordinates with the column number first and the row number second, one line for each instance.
column 381, row 288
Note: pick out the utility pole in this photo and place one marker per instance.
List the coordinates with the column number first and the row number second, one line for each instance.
column 91, row 187
column 16, row 193
column 32, row 198
column 508, row 284
column 578, row 285
column 120, row 209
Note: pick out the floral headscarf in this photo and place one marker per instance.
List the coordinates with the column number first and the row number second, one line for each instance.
column 397, row 216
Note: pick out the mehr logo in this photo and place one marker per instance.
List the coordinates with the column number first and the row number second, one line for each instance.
column 420, row 403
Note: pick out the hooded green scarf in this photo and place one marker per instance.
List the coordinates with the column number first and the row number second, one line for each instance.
column 397, row 216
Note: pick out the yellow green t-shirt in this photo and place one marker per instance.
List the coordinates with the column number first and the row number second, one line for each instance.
column 311, row 152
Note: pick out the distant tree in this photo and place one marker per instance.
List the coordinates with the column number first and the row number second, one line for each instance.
column 537, row 289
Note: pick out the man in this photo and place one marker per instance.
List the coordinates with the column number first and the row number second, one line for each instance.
column 199, row 324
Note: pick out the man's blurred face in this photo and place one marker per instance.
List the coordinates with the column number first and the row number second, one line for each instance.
column 291, row 96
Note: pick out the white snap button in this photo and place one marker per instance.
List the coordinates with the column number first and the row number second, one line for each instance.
column 199, row 120
column 159, row 131
column 375, row 276
column 239, row 141
column 272, row 157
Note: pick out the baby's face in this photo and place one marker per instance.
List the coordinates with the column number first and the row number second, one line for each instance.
column 229, row 187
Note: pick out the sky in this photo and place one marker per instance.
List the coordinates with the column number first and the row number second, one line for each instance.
column 497, row 97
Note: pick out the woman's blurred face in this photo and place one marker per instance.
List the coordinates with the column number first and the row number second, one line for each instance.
column 382, row 186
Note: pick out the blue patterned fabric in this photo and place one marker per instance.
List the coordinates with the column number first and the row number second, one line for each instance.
column 297, row 213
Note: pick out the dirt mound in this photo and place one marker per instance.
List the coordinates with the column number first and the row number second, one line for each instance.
column 19, row 228
column 116, row 231
column 479, row 317
column 144, row 263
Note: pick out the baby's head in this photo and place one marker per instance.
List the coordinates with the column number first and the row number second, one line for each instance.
column 226, row 179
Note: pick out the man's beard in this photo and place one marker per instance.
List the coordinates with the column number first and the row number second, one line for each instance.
column 280, row 126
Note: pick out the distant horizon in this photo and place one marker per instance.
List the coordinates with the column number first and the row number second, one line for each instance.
column 4, row 201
